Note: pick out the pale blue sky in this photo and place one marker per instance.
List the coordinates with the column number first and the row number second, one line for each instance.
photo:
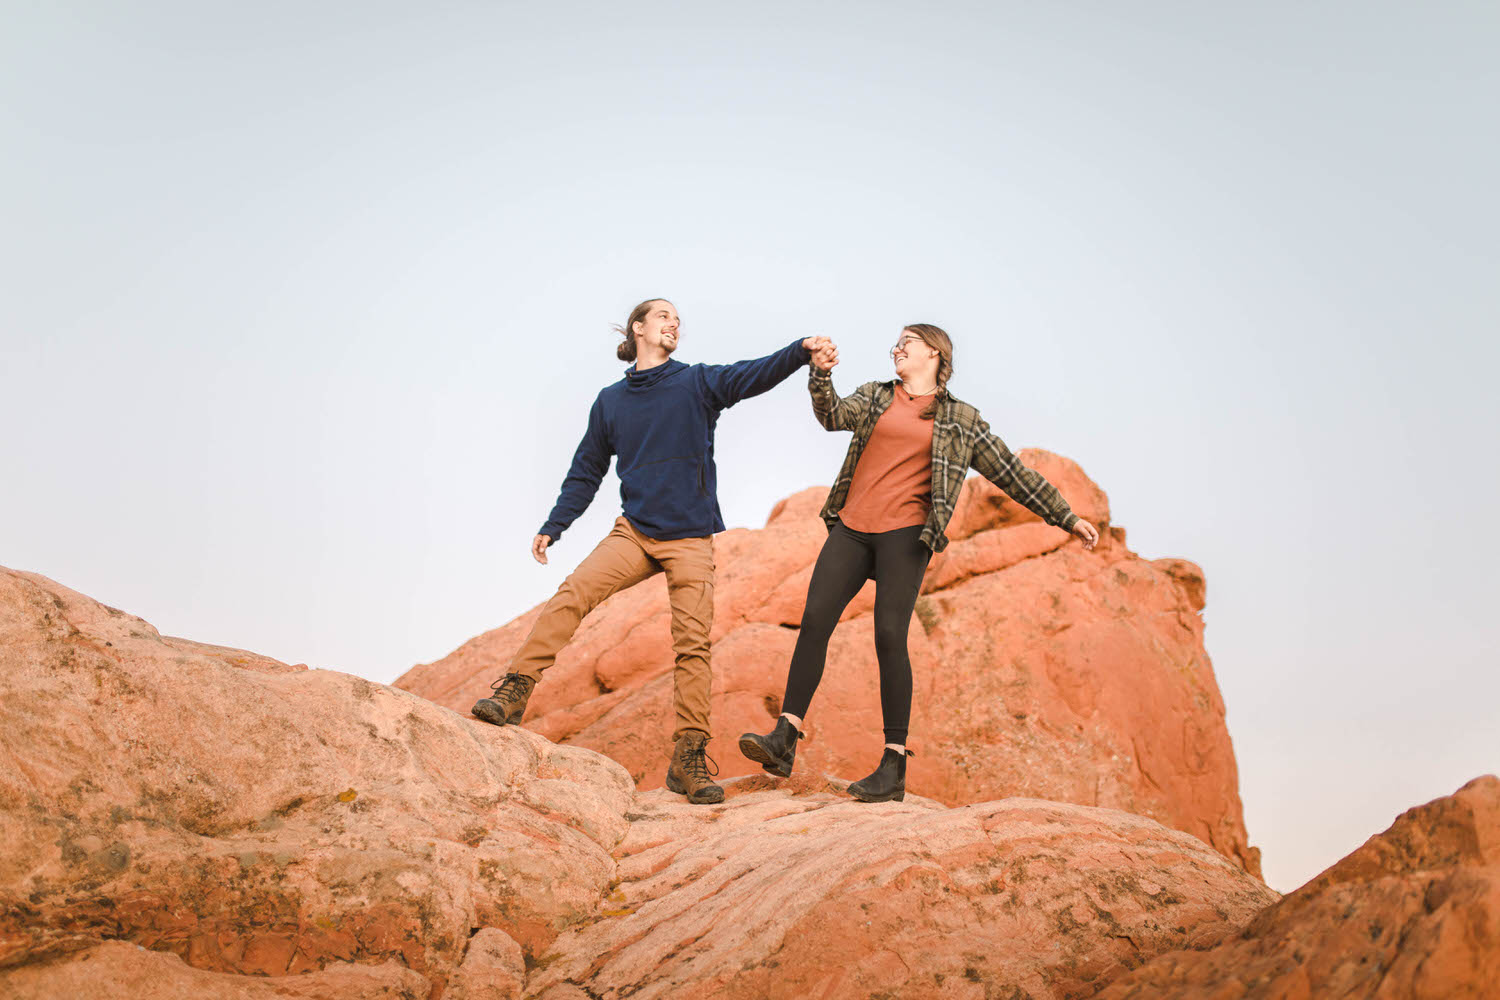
column 304, row 306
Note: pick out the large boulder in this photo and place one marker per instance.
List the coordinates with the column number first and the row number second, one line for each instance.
column 190, row 820
column 1040, row 670
column 258, row 819
column 1414, row 913
column 782, row 895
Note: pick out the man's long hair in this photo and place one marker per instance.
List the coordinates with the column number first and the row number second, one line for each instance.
column 626, row 349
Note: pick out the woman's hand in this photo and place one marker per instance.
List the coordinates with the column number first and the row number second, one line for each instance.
column 539, row 548
column 825, row 354
column 1087, row 533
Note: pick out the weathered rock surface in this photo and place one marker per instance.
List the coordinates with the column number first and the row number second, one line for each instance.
column 780, row 895
column 268, row 831
column 121, row 971
column 265, row 821
column 184, row 820
column 1040, row 670
column 1414, row 913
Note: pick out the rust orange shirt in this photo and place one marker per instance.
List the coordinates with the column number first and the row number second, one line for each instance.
column 892, row 486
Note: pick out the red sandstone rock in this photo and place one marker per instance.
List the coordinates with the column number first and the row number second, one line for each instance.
column 272, row 832
column 982, row 507
column 1414, row 913
column 273, row 823
column 493, row 969
column 1039, row 669
column 773, row 895
column 121, row 971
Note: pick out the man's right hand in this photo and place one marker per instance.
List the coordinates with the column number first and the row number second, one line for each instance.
column 539, row 548
column 825, row 353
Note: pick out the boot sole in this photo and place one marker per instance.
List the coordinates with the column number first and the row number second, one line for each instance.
column 484, row 713
column 893, row 797
column 705, row 796
column 752, row 750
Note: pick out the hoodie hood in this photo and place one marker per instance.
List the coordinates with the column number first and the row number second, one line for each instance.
column 651, row 376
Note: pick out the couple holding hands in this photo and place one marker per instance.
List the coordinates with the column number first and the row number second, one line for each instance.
column 913, row 445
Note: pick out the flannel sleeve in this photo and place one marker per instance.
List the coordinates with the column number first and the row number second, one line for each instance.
column 833, row 413
column 994, row 461
column 590, row 463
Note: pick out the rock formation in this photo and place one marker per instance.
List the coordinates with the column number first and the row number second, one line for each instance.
column 115, row 969
column 819, row 896
column 184, row 820
column 258, row 819
column 1414, row 913
column 1040, row 670
column 238, row 818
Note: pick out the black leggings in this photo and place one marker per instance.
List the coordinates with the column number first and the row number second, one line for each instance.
column 895, row 560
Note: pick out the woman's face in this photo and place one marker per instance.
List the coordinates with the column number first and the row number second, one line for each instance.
column 913, row 357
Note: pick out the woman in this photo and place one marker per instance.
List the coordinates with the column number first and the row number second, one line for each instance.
column 913, row 445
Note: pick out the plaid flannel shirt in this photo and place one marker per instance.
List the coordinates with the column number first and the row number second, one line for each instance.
column 961, row 439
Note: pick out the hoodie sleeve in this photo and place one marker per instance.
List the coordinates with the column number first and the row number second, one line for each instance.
column 590, row 463
column 725, row 385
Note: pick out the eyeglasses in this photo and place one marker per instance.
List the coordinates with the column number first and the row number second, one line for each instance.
column 904, row 343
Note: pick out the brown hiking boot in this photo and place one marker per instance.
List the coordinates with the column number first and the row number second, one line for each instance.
column 688, row 774
column 507, row 702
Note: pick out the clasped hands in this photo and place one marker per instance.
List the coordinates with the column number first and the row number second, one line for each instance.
column 825, row 353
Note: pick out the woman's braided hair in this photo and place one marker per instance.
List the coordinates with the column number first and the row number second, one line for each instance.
column 935, row 338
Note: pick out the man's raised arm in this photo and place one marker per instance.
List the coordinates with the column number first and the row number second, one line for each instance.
column 726, row 385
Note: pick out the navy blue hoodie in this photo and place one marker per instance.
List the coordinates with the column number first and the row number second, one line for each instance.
column 660, row 423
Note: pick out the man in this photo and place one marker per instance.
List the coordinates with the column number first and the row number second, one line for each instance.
column 659, row 421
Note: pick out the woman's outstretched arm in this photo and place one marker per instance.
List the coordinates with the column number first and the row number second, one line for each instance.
column 995, row 462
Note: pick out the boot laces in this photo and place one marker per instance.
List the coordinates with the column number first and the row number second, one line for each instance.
column 697, row 762
column 511, row 686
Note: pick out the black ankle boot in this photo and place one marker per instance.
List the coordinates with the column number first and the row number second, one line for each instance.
column 775, row 752
column 887, row 783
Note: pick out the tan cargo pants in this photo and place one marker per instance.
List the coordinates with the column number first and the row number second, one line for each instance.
column 623, row 559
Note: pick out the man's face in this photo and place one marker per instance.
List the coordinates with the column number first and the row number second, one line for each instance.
column 660, row 326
